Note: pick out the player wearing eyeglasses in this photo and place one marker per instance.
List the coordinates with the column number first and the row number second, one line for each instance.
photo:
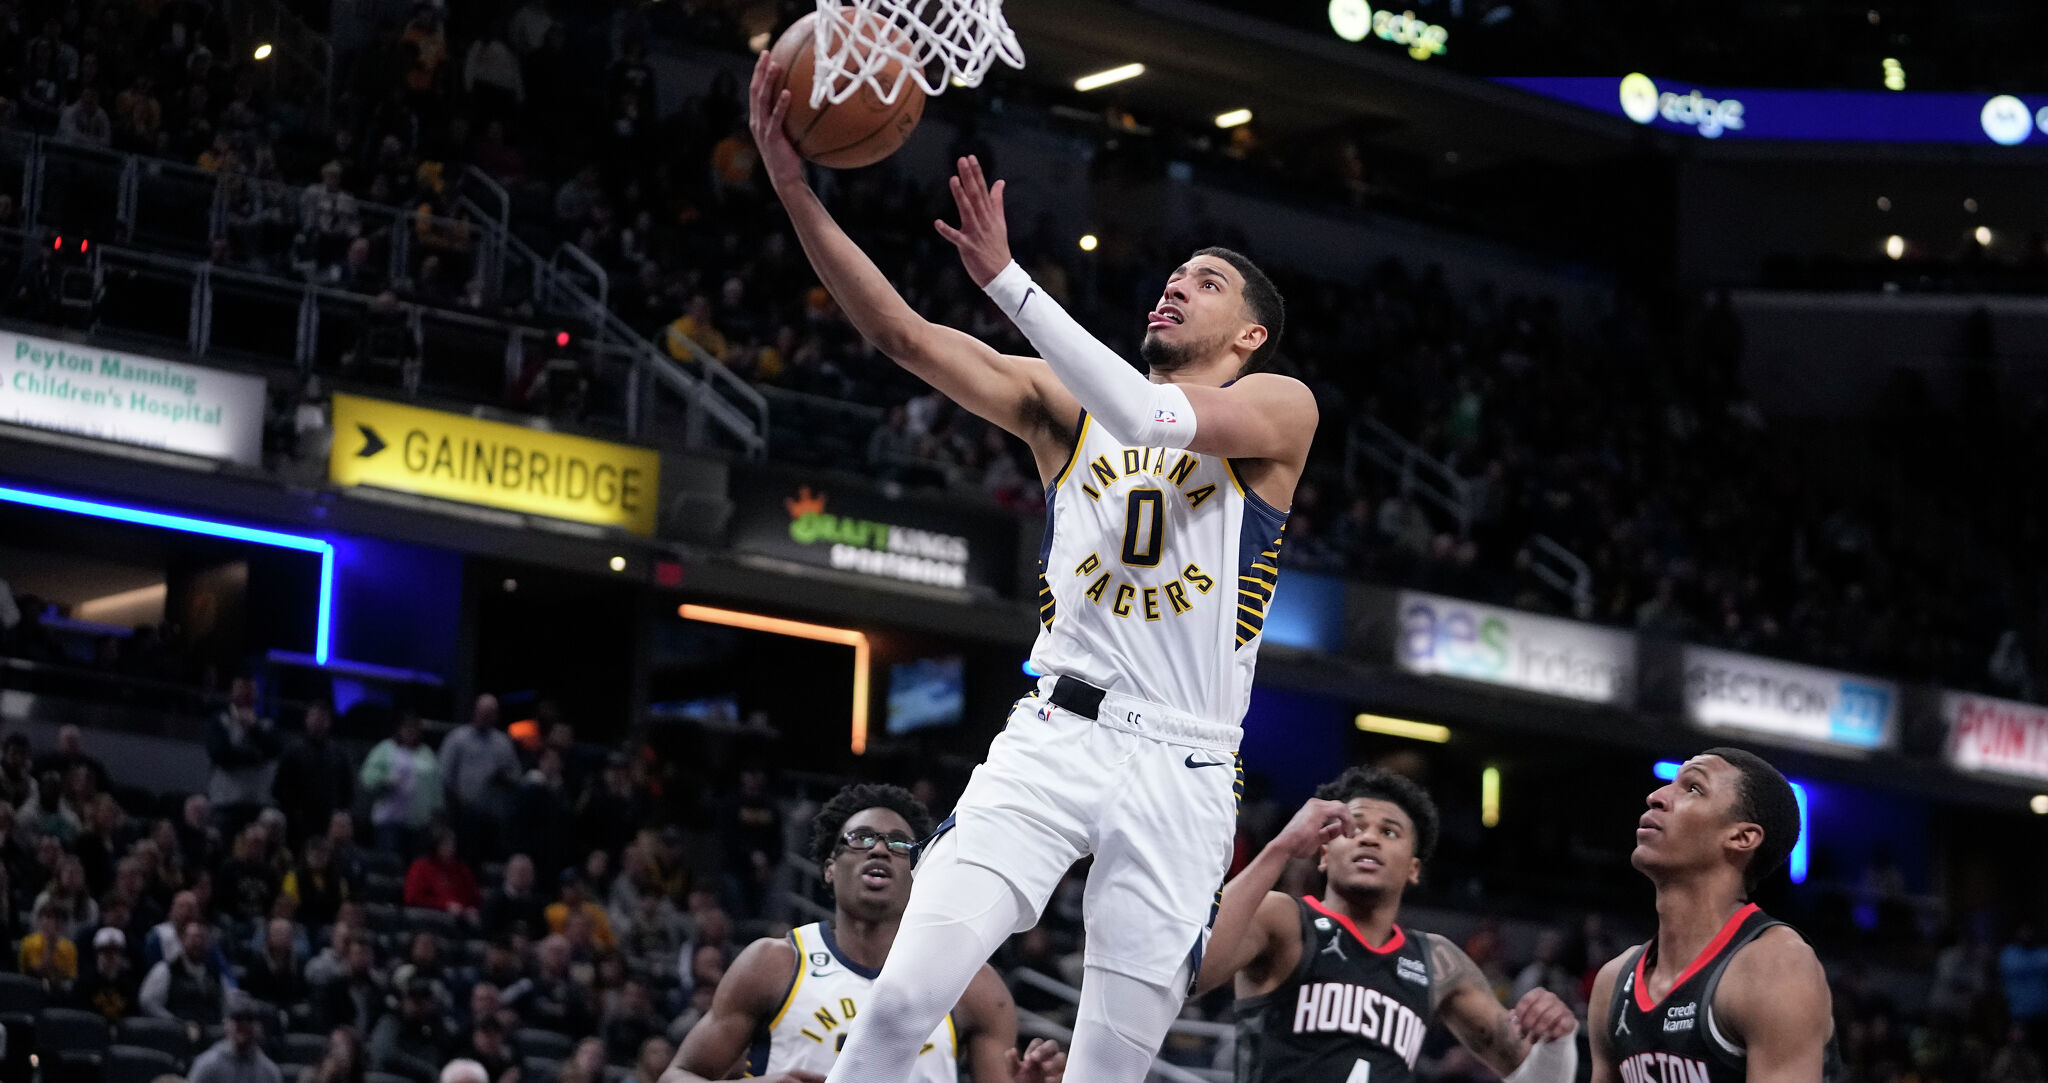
column 787, row 1005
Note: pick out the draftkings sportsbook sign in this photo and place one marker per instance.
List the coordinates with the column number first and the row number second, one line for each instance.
column 849, row 526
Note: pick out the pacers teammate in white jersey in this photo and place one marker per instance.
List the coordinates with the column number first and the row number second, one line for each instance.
column 787, row 1004
column 1165, row 509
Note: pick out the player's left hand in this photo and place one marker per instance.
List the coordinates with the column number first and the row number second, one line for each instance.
column 984, row 236
column 1042, row 1062
column 1543, row 1017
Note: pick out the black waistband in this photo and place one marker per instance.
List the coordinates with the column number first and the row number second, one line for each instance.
column 1078, row 696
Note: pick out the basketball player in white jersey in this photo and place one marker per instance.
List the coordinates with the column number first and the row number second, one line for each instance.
column 1164, row 516
column 786, row 1006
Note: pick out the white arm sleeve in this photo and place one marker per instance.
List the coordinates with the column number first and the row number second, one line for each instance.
column 1132, row 408
column 1548, row 1062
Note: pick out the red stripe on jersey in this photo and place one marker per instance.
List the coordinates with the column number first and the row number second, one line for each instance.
column 1392, row 945
column 1699, row 961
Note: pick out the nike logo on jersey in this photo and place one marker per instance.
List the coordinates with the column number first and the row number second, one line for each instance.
column 1192, row 762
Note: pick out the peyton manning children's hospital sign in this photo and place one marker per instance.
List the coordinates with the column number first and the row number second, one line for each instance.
column 144, row 401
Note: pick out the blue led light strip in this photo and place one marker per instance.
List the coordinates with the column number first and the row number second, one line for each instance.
column 1668, row 770
column 189, row 525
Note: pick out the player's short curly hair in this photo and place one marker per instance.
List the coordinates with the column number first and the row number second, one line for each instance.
column 1765, row 799
column 830, row 822
column 1400, row 791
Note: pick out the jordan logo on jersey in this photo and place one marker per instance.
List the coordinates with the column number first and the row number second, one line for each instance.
column 1341, row 1007
column 1662, row 1068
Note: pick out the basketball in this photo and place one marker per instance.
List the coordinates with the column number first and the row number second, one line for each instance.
column 861, row 130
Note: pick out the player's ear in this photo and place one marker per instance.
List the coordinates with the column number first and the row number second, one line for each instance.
column 1252, row 337
column 1744, row 837
column 1414, row 871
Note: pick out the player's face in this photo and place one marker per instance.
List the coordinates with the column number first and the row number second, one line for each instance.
column 1690, row 818
column 1199, row 313
column 873, row 884
column 1379, row 859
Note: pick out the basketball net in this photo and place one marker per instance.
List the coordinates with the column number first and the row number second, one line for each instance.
column 880, row 43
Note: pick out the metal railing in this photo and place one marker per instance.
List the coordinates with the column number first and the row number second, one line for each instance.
column 1417, row 472
column 1561, row 570
column 1172, row 1073
column 146, row 207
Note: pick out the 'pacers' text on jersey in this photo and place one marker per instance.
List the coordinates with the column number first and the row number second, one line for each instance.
column 1155, row 575
column 824, row 999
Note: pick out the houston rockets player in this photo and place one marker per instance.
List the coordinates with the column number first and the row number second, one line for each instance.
column 786, row 1006
column 1331, row 990
column 1161, row 551
column 1724, row 994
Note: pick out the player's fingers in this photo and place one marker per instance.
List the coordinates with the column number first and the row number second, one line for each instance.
column 779, row 113
column 963, row 199
column 995, row 198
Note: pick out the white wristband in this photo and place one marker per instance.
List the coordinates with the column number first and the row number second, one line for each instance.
column 1126, row 404
column 1548, row 1062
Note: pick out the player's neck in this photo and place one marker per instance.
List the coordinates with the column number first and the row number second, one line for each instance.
column 864, row 941
column 1372, row 916
column 1213, row 373
column 1690, row 912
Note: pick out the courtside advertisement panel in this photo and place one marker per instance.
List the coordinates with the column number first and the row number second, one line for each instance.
column 512, row 467
column 129, row 399
column 849, row 526
column 1996, row 736
column 1725, row 690
column 1438, row 636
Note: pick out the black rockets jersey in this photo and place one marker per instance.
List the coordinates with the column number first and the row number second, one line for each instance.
column 1676, row 1040
column 1350, row 1013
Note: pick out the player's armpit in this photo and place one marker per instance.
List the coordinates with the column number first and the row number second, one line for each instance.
column 1262, row 416
column 987, row 1016
column 1774, row 1001
column 750, row 995
column 1597, row 1020
column 1461, row 997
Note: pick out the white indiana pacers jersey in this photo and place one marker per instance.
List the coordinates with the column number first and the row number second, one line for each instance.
column 824, row 999
column 1155, row 575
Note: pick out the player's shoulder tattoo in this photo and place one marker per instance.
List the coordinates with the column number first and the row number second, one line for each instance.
column 1450, row 970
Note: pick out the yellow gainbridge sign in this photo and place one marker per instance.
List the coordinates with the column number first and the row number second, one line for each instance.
column 504, row 466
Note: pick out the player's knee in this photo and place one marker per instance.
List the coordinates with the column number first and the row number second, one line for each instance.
column 902, row 1011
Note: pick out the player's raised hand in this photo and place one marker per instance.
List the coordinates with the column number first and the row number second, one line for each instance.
column 767, row 105
column 1543, row 1017
column 1042, row 1062
column 1317, row 823
column 983, row 236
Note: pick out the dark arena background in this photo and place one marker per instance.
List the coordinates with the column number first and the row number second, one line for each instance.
column 375, row 369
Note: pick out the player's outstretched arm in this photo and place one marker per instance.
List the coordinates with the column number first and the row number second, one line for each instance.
column 1774, row 999
column 1254, row 920
column 1016, row 394
column 1262, row 416
column 750, row 995
column 1531, row 1044
column 988, row 1016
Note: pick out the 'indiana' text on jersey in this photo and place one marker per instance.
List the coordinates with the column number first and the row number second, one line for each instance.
column 824, row 999
column 1155, row 575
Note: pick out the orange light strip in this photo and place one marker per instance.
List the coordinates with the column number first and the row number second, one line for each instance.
column 796, row 629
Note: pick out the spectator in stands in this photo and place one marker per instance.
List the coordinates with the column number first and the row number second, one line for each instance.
column 440, row 880
column 48, row 954
column 2023, row 968
column 319, row 889
column 464, row 1070
column 585, row 1063
column 484, row 1043
column 696, row 326
column 67, row 894
column 490, row 73
column 479, row 772
column 514, row 906
column 1547, row 971
column 315, row 776
column 611, row 812
column 244, row 747
column 189, row 987
column 358, row 273
column 354, row 997
column 84, row 122
column 550, row 1000
column 344, row 1062
column 542, row 817
column 17, row 781
column 576, row 900
column 248, row 884
column 109, row 986
column 100, row 845
column 403, row 780
column 631, row 1023
column 577, row 198
column 347, row 856
column 165, row 939
column 751, row 823
column 199, row 841
column 139, row 117
column 238, row 1057
column 70, row 754
column 413, row 1041
column 653, row 1058
column 275, row 974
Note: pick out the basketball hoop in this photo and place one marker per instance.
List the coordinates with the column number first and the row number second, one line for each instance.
column 880, row 43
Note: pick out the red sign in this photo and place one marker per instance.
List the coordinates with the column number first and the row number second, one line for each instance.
column 1996, row 736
